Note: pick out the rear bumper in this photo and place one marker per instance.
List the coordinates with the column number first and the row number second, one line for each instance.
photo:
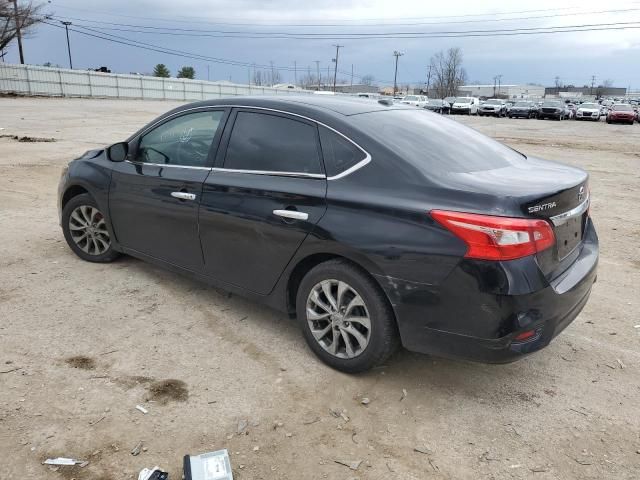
column 480, row 309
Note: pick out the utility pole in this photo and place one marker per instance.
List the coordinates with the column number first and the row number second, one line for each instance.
column 499, row 83
column 352, row 78
column 18, row 32
column 66, row 27
column 335, row 71
column 428, row 80
column 395, row 76
column 593, row 81
column 273, row 73
column 295, row 73
column 495, row 79
column 318, row 69
column 207, row 73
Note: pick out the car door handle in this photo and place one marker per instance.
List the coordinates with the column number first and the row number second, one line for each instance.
column 293, row 214
column 183, row 195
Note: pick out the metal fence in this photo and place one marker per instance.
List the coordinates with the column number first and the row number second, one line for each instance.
column 62, row 82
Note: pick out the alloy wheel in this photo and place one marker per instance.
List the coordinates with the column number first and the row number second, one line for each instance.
column 89, row 230
column 338, row 318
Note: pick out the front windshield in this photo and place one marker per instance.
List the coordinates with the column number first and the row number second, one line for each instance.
column 492, row 102
column 522, row 104
column 622, row 108
column 435, row 102
column 552, row 104
column 463, row 100
column 411, row 98
column 590, row 105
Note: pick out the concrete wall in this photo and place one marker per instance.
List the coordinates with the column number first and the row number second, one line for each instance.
column 62, row 82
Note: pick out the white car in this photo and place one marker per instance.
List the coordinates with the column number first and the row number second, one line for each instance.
column 415, row 100
column 468, row 105
column 588, row 111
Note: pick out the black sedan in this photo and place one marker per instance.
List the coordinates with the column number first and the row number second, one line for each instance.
column 437, row 105
column 523, row 110
column 374, row 224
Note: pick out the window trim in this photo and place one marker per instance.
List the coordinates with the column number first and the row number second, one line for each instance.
column 338, row 176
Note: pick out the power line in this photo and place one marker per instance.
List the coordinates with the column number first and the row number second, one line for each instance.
column 342, row 35
column 359, row 21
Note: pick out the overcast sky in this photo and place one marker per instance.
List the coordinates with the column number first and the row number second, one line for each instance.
column 574, row 57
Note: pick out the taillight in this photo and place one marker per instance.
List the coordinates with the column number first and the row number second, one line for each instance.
column 497, row 238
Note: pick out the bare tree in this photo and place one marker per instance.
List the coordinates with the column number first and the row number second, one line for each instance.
column 608, row 83
column 447, row 72
column 28, row 16
column 368, row 79
column 266, row 77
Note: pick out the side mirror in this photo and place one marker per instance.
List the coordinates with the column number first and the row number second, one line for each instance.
column 118, row 152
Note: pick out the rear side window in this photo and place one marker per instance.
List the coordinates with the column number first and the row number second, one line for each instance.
column 338, row 152
column 271, row 143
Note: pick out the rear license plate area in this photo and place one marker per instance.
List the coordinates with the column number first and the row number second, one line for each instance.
column 569, row 235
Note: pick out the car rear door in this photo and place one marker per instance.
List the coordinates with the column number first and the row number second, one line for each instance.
column 154, row 195
column 264, row 197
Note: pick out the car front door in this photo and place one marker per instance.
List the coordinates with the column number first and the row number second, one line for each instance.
column 264, row 197
column 154, row 195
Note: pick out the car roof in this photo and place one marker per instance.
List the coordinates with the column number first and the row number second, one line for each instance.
column 302, row 104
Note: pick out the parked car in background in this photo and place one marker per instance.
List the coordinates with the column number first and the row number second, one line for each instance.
column 437, row 105
column 509, row 105
column 552, row 109
column 621, row 113
column 415, row 100
column 492, row 106
column 523, row 110
column 375, row 225
column 588, row 111
column 450, row 100
column 465, row 105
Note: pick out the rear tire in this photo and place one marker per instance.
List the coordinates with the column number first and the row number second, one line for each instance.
column 330, row 298
column 85, row 230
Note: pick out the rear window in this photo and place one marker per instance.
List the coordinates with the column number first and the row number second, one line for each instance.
column 622, row 108
column 434, row 144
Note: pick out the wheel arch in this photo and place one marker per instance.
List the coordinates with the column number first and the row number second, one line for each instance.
column 305, row 264
column 72, row 191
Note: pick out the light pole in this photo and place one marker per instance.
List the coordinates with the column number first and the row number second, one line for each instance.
column 395, row 75
column 66, row 27
column 335, row 71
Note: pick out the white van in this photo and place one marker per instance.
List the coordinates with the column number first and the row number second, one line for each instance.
column 466, row 105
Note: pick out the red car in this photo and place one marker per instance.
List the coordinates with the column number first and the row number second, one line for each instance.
column 621, row 112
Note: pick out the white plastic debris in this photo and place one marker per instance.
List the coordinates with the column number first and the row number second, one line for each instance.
column 142, row 409
column 62, row 461
column 146, row 473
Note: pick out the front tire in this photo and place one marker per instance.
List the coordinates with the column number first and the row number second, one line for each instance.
column 345, row 317
column 85, row 230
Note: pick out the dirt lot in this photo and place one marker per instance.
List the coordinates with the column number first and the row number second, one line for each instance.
column 82, row 344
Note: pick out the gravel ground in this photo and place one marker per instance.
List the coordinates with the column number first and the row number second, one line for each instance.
column 82, row 344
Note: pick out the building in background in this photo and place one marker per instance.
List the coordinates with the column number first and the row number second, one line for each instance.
column 592, row 91
column 511, row 92
column 355, row 88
